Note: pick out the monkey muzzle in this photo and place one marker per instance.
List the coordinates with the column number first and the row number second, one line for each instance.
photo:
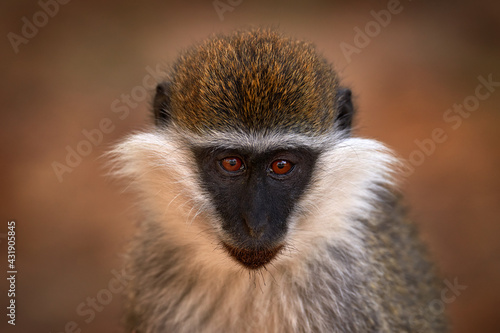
column 253, row 258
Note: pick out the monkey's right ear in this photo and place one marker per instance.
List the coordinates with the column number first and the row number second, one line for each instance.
column 345, row 110
column 161, row 103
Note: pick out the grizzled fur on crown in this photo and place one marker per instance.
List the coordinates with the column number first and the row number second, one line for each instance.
column 253, row 81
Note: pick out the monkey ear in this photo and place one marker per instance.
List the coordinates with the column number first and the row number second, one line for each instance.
column 345, row 110
column 161, row 103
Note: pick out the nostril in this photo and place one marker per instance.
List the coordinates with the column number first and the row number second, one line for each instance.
column 255, row 229
column 258, row 231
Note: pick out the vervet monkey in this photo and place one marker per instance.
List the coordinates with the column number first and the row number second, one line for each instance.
column 261, row 212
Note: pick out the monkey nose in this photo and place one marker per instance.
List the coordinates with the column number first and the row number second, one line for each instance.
column 255, row 228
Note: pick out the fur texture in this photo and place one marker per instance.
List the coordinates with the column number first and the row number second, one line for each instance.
column 258, row 79
column 350, row 262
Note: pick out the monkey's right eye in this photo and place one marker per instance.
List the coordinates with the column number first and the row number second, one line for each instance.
column 232, row 164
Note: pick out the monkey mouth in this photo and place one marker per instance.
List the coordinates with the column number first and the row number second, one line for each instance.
column 253, row 259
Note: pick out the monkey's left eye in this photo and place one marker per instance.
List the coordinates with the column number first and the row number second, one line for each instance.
column 281, row 167
column 232, row 164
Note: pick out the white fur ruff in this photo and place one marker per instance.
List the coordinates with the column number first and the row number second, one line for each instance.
column 223, row 296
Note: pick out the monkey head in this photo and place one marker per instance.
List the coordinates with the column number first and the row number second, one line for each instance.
column 241, row 124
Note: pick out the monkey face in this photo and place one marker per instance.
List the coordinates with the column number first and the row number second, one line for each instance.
column 252, row 113
column 254, row 194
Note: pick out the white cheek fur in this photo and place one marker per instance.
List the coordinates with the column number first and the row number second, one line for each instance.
column 160, row 168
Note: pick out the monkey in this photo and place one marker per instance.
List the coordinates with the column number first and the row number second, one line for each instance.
column 260, row 210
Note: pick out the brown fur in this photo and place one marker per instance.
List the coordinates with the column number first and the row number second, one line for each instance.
column 214, row 86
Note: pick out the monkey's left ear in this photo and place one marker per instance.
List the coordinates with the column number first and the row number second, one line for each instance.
column 161, row 104
column 345, row 110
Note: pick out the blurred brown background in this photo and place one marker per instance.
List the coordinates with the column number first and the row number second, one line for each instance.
column 81, row 64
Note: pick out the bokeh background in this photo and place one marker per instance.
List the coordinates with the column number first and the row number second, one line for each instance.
column 84, row 60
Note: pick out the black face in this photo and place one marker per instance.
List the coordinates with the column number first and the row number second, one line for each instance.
column 255, row 194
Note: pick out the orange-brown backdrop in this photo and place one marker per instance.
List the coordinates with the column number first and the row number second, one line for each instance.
column 65, row 71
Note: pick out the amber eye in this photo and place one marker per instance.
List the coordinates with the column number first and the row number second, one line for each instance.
column 281, row 167
column 232, row 164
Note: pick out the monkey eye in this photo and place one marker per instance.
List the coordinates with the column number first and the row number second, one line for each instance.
column 232, row 164
column 281, row 167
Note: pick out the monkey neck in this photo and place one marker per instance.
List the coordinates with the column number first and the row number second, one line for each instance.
column 201, row 286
